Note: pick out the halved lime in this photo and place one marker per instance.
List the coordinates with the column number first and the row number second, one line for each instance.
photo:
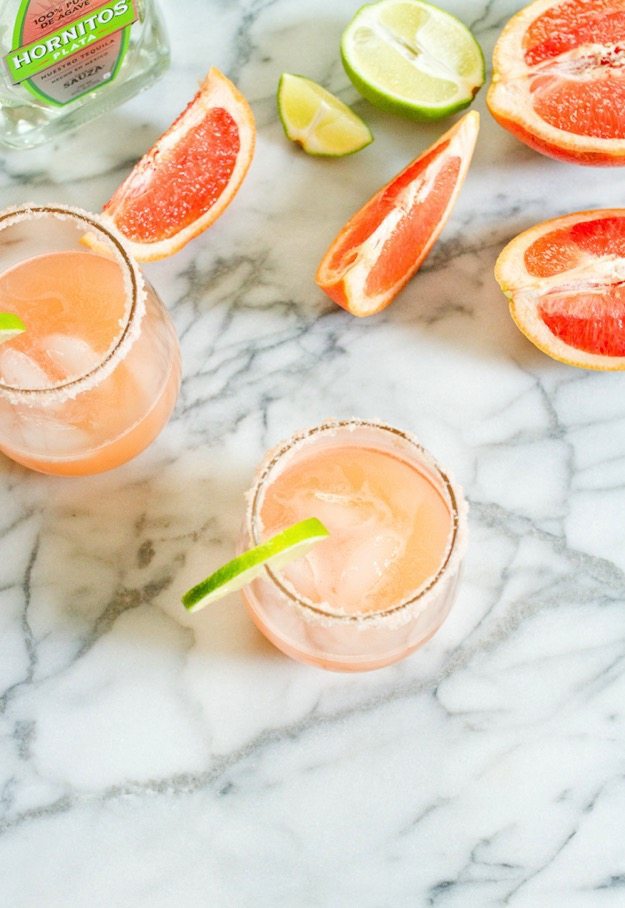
column 412, row 58
column 292, row 543
column 10, row 326
column 317, row 120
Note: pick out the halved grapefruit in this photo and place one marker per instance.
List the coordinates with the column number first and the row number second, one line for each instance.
column 191, row 174
column 384, row 244
column 559, row 79
column 565, row 280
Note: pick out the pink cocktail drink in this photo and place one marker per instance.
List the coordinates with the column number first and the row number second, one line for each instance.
column 94, row 378
column 384, row 580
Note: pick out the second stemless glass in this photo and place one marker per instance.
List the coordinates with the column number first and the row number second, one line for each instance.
column 107, row 410
column 311, row 633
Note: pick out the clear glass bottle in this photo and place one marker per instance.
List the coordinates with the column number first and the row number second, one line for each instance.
column 67, row 61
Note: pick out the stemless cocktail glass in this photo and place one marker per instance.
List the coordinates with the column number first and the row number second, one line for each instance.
column 384, row 580
column 95, row 376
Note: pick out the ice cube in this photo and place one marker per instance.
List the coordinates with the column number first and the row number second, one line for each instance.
column 147, row 375
column 364, row 568
column 8, row 421
column 43, row 434
column 358, row 508
column 301, row 576
column 18, row 370
column 72, row 356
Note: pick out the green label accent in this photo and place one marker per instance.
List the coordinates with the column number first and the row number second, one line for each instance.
column 38, row 56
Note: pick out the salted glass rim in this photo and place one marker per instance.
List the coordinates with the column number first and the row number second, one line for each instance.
column 134, row 285
column 454, row 499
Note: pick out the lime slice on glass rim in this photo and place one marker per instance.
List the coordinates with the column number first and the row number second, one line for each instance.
column 284, row 547
column 412, row 58
column 10, row 326
column 317, row 120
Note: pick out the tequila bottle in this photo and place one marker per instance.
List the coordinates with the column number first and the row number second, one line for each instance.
column 67, row 61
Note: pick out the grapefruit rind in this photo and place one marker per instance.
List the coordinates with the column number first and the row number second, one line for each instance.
column 383, row 96
column 509, row 100
column 346, row 284
column 216, row 91
column 524, row 291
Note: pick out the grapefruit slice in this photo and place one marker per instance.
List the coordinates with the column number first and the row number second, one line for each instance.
column 191, row 174
column 565, row 280
column 384, row 244
column 559, row 79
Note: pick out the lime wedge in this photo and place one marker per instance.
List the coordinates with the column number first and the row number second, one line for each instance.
column 282, row 548
column 412, row 58
column 10, row 326
column 317, row 120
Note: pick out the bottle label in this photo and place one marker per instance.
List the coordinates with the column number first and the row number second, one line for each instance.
column 63, row 49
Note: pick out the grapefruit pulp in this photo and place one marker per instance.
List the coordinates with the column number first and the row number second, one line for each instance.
column 384, row 244
column 565, row 280
column 559, row 79
column 190, row 175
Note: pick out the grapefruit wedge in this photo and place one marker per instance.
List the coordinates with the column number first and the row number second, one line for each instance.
column 384, row 244
column 559, row 79
column 565, row 280
column 191, row 174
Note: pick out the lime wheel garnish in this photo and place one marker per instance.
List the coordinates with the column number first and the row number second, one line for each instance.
column 281, row 549
column 10, row 326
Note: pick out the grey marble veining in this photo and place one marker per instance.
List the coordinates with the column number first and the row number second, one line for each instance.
column 151, row 758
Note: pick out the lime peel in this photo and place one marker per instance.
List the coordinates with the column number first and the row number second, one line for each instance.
column 317, row 120
column 412, row 58
column 284, row 547
column 10, row 326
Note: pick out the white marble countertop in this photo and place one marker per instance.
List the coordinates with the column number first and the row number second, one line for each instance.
column 151, row 759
